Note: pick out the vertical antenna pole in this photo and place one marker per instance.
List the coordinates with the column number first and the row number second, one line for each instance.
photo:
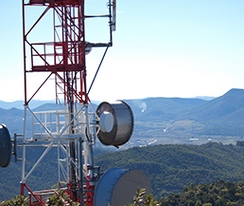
column 23, row 153
column 81, row 173
column 24, row 52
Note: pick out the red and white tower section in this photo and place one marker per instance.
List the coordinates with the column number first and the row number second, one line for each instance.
column 55, row 48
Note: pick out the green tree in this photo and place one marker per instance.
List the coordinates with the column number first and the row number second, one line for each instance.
column 140, row 199
column 60, row 199
column 218, row 193
column 17, row 201
column 207, row 204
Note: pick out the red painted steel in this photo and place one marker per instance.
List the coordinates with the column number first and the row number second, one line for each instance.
column 38, row 199
column 67, row 51
column 38, row 196
column 63, row 58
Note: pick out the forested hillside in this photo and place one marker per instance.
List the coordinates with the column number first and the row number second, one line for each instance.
column 170, row 168
column 217, row 193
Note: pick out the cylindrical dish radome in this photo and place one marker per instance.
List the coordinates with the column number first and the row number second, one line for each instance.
column 116, row 123
column 5, row 146
column 118, row 187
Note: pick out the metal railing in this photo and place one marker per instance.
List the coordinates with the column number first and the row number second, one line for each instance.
column 56, row 123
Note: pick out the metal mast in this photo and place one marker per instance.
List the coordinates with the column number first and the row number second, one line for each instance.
column 57, row 54
column 71, row 127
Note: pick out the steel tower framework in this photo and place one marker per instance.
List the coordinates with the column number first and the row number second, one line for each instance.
column 72, row 127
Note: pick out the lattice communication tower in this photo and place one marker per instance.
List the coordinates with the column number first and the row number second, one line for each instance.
column 59, row 53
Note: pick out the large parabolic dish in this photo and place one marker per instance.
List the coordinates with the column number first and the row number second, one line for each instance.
column 118, row 187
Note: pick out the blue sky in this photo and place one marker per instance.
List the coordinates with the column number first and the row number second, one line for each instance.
column 161, row 49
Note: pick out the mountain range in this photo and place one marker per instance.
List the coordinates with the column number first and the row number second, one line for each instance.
column 180, row 116
column 178, row 120
column 19, row 104
column 226, row 109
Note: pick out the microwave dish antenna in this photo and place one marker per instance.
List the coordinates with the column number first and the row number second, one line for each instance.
column 116, row 123
column 117, row 187
column 5, row 146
